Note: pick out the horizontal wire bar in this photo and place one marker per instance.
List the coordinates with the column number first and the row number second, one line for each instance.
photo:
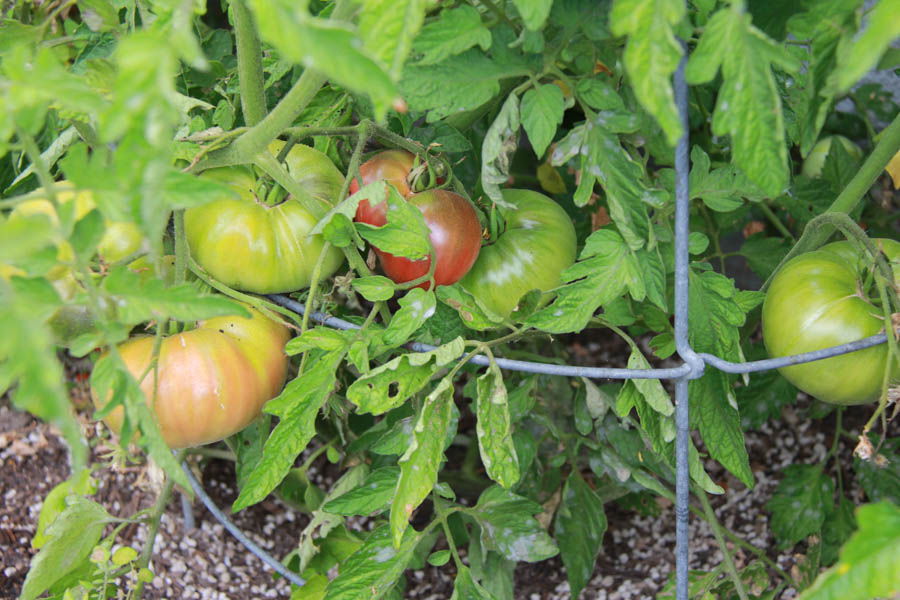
column 237, row 533
column 613, row 372
column 794, row 359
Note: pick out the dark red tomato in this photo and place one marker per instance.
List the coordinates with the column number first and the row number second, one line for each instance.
column 455, row 236
column 392, row 166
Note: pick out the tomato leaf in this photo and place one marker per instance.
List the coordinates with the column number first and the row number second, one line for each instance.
column 87, row 234
column 425, row 86
column 405, row 234
column 71, row 538
column 605, row 270
column 827, row 26
column 389, row 385
column 763, row 254
column 420, row 463
column 466, row 588
column 837, row 529
column 24, row 236
column 181, row 190
column 327, row 46
column 580, row 525
column 748, row 106
column 603, row 160
column 138, row 301
column 499, row 144
column 416, row 307
column 869, row 565
column 374, row 288
column 721, row 189
column 297, row 408
column 880, row 476
column 388, row 28
column 800, row 504
column 373, row 495
column 29, row 359
column 453, row 32
column 373, row 570
column 856, row 58
column 542, row 112
column 323, row 338
column 508, row 527
column 651, row 389
column 599, row 94
column 651, row 55
column 471, row 312
column 494, row 430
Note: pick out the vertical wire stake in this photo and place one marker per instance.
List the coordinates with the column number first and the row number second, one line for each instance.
column 682, row 343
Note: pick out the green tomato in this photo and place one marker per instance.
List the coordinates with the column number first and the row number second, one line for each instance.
column 537, row 244
column 818, row 300
column 815, row 161
column 251, row 246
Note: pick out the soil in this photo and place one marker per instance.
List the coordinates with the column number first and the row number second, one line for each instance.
column 206, row 562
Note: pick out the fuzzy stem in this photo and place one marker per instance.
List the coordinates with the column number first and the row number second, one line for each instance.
column 256, row 139
column 250, row 67
column 155, row 517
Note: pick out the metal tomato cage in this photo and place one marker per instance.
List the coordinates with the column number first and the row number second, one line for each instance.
column 693, row 366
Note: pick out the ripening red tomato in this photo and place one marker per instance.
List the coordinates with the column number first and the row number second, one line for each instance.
column 455, row 228
column 455, row 236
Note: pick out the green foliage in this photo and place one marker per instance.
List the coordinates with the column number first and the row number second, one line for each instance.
column 129, row 102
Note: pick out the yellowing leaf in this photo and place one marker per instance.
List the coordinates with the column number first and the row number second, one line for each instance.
column 550, row 179
column 893, row 169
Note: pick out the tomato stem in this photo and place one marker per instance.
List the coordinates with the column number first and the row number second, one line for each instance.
column 155, row 518
column 249, row 62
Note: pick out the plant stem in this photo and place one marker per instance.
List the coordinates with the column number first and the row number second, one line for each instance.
column 256, row 139
column 884, row 151
column 181, row 249
column 774, row 220
column 720, row 540
column 250, row 68
column 263, row 306
column 154, row 518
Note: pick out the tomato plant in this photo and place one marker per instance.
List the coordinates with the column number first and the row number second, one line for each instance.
column 212, row 380
column 155, row 108
column 821, row 299
column 538, row 242
column 253, row 246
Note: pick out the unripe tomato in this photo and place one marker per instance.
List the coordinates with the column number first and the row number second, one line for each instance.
column 815, row 161
column 531, row 253
column 212, row 381
column 254, row 247
column 818, row 300
column 120, row 239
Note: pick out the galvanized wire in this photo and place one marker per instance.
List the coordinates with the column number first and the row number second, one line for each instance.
column 682, row 343
column 237, row 533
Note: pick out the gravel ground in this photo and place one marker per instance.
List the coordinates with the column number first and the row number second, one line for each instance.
column 206, row 562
